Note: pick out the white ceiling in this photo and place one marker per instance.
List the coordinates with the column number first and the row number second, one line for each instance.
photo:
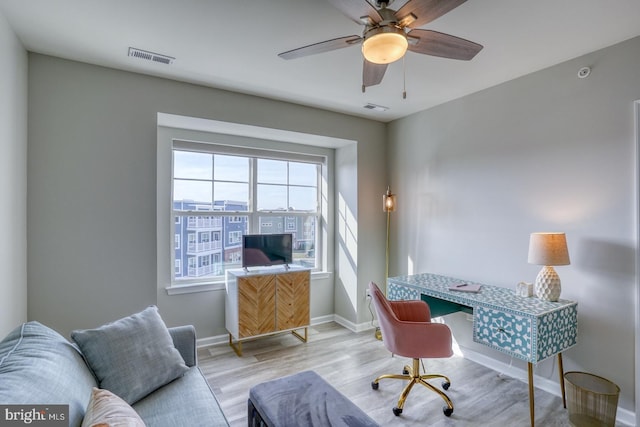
column 233, row 45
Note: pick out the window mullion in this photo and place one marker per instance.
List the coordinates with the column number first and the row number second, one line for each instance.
column 288, row 188
column 213, row 179
column 253, row 197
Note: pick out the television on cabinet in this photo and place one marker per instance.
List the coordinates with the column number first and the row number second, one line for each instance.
column 259, row 250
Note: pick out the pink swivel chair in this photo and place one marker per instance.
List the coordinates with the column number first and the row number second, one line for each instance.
column 407, row 331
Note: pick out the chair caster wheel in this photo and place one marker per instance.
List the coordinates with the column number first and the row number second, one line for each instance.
column 405, row 372
column 447, row 411
column 375, row 385
column 397, row 411
column 446, row 385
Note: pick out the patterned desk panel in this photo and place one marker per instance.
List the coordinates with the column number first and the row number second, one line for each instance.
column 526, row 328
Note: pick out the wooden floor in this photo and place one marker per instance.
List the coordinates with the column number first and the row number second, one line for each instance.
column 350, row 361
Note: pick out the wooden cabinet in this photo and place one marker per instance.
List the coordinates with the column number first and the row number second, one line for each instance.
column 265, row 302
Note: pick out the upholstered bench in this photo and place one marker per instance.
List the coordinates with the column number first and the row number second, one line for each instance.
column 303, row 400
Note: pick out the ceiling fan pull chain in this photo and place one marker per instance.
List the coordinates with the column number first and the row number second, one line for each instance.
column 404, row 78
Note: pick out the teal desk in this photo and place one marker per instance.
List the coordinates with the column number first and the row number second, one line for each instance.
column 525, row 328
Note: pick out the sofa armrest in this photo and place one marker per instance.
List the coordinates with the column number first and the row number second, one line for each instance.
column 184, row 338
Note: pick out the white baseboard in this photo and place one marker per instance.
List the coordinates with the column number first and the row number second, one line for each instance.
column 322, row 319
column 218, row 339
column 355, row 327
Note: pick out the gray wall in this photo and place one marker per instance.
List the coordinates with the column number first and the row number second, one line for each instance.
column 92, row 192
column 13, row 179
column 545, row 152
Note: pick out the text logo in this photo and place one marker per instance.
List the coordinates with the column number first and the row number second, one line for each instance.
column 34, row 415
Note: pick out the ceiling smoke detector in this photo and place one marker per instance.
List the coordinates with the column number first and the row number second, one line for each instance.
column 150, row 56
column 584, row 72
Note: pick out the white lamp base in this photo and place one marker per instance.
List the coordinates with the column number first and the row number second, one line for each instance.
column 548, row 284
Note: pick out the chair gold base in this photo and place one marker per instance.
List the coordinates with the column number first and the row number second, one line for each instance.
column 414, row 377
column 378, row 334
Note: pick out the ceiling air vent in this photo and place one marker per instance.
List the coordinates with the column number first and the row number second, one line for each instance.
column 150, row 56
column 375, row 107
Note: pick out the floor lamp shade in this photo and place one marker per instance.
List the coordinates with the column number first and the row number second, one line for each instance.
column 388, row 201
column 548, row 249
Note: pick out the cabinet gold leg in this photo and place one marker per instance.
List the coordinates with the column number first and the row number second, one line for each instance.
column 531, row 396
column 300, row 337
column 236, row 347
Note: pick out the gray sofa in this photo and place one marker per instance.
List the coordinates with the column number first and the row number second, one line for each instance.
column 39, row 366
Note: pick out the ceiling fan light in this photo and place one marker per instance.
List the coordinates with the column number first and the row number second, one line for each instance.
column 384, row 45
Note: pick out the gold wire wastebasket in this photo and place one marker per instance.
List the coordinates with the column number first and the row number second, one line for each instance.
column 592, row 401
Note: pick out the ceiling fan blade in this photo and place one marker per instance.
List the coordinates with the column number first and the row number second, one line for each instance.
column 372, row 74
column 425, row 11
column 443, row 45
column 356, row 9
column 321, row 47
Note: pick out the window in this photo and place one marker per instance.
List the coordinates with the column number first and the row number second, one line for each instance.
column 235, row 237
column 218, row 197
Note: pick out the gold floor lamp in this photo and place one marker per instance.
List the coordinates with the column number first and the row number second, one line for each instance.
column 388, row 206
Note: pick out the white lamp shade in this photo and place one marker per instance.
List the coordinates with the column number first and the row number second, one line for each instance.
column 548, row 249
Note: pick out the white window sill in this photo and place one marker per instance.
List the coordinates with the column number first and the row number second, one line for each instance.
column 194, row 287
column 220, row 286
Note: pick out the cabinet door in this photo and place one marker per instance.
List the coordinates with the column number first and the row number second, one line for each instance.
column 292, row 304
column 256, row 305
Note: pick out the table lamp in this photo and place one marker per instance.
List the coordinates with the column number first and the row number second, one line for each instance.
column 548, row 249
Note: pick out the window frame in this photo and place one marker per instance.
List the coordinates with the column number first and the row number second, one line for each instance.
column 252, row 213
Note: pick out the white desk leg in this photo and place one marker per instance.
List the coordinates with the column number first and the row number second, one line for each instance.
column 531, row 397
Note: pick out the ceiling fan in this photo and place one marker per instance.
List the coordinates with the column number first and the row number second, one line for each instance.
column 388, row 34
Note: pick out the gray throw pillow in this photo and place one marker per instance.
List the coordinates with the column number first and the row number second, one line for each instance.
column 132, row 356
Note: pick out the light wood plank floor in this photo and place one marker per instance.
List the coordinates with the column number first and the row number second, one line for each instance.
column 350, row 361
